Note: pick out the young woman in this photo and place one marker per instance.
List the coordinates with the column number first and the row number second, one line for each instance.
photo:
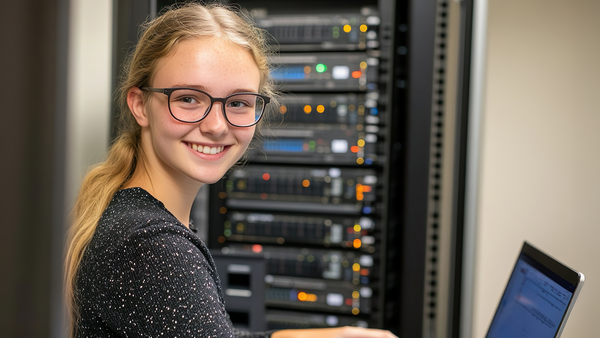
column 195, row 88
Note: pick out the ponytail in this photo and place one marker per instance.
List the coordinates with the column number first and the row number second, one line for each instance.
column 96, row 192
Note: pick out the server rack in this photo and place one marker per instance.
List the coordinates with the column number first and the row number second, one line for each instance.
column 309, row 198
column 342, row 196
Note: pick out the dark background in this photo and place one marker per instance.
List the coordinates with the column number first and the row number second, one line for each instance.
column 33, row 95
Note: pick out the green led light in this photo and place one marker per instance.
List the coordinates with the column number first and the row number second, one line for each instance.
column 321, row 68
column 335, row 32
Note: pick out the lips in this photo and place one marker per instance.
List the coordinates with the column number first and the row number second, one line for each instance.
column 205, row 149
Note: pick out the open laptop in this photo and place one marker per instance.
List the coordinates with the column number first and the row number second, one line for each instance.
column 538, row 298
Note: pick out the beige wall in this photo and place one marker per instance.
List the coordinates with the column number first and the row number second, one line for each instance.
column 540, row 159
column 89, row 83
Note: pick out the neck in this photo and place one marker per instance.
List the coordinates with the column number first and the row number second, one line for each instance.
column 176, row 195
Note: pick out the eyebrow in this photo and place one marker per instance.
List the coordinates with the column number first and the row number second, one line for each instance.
column 205, row 89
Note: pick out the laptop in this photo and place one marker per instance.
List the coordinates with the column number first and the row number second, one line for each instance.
column 538, row 298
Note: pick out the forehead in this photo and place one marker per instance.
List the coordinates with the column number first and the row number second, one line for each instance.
column 213, row 63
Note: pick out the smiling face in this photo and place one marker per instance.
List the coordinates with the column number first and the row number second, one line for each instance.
column 184, row 153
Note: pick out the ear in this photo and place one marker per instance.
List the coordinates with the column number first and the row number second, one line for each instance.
column 135, row 101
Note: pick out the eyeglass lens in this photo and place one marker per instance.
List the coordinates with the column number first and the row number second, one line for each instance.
column 240, row 109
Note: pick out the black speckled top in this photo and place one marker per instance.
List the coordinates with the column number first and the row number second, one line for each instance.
column 144, row 274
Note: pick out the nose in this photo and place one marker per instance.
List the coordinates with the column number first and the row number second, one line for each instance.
column 215, row 123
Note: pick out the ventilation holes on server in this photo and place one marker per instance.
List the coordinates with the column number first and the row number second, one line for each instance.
column 436, row 157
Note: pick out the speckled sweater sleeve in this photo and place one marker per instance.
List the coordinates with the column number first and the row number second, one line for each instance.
column 157, row 280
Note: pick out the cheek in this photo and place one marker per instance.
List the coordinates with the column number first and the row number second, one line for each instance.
column 246, row 135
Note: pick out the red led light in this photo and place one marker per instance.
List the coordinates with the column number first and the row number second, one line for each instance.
column 266, row 176
column 356, row 74
column 349, row 301
column 354, row 149
column 257, row 248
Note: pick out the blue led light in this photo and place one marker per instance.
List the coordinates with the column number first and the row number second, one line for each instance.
column 293, row 295
column 288, row 73
column 364, row 280
column 374, row 111
column 294, row 146
column 367, row 210
column 369, row 161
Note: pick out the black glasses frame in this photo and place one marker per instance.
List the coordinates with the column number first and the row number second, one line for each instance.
column 223, row 100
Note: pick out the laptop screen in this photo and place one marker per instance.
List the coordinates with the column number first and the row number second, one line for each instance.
column 534, row 303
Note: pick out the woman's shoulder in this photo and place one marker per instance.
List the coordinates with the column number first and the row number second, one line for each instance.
column 133, row 214
column 135, row 208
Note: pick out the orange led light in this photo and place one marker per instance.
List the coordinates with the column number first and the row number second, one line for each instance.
column 302, row 296
column 307, row 109
column 306, row 69
column 354, row 149
column 282, row 109
column 223, row 210
column 356, row 74
column 357, row 243
column 359, row 192
column 306, row 183
column 266, row 176
column 367, row 188
column 364, row 272
column 307, row 297
column 320, row 109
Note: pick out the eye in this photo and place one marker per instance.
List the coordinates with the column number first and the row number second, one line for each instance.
column 238, row 104
column 187, row 100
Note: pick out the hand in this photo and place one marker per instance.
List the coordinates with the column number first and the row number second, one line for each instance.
column 338, row 332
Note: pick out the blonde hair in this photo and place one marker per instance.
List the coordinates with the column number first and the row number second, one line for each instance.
column 158, row 39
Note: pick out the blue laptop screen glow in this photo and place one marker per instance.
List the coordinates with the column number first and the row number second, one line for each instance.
column 533, row 304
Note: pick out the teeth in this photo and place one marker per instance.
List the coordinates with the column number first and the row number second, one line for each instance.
column 206, row 149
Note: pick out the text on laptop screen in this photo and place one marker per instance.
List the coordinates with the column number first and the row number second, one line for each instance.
column 533, row 304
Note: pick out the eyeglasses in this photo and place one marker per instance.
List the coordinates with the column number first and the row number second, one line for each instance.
column 192, row 105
